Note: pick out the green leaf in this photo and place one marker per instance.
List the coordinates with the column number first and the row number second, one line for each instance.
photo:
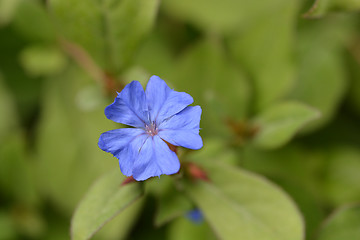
column 323, row 7
column 30, row 14
column 205, row 72
column 279, row 123
column 105, row 199
column 121, row 225
column 171, row 202
column 307, row 202
column 41, row 60
column 175, row 205
column 240, row 204
column 183, row 228
column 115, row 27
column 7, row 10
column 16, row 176
column 25, row 89
column 343, row 224
column 320, row 52
column 223, row 17
column 156, row 45
column 266, row 58
column 354, row 89
column 72, row 120
column 7, row 226
column 7, row 106
column 215, row 148
column 292, row 163
column 342, row 178
column 299, row 171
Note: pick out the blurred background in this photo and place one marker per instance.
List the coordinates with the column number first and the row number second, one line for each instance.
column 62, row 61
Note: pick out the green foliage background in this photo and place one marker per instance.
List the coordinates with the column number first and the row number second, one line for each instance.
column 279, row 85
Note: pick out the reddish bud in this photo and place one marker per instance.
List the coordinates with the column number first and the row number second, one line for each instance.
column 197, row 173
column 128, row 180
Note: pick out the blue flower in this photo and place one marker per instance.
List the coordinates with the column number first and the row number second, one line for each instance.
column 195, row 216
column 157, row 114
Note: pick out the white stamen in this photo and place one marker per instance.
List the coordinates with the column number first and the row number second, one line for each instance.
column 151, row 129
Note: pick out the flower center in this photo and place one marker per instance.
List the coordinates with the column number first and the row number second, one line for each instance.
column 151, row 129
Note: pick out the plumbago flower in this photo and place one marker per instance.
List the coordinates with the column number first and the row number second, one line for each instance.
column 157, row 114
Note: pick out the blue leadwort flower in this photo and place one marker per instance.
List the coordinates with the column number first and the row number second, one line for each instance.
column 157, row 114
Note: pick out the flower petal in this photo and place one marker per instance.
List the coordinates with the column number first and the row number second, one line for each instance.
column 124, row 144
column 129, row 107
column 183, row 128
column 164, row 102
column 155, row 158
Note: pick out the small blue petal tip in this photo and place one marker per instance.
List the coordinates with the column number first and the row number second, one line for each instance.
column 195, row 216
